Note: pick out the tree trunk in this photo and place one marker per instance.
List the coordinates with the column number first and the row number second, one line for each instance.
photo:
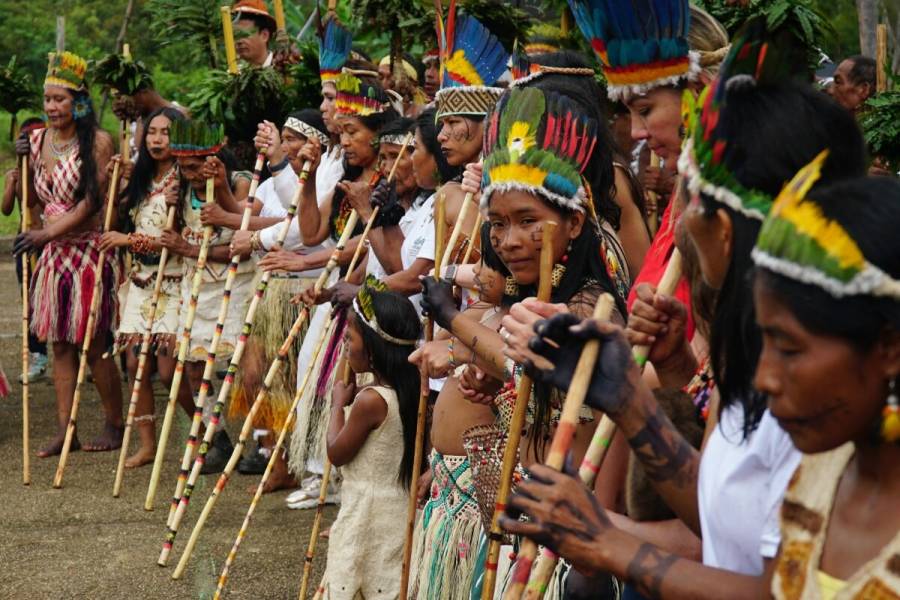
column 868, row 19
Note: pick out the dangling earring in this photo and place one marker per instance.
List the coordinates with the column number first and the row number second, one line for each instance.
column 81, row 108
column 512, row 287
column 890, row 420
column 559, row 269
column 682, row 131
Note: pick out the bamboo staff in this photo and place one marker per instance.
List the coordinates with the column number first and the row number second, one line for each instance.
column 473, row 237
column 881, row 58
column 653, row 215
column 182, row 354
column 142, row 358
column 562, row 439
column 279, row 15
column 26, row 355
column 209, row 367
column 596, row 452
column 228, row 35
column 292, row 415
column 523, row 395
column 226, row 387
column 439, row 251
column 88, row 332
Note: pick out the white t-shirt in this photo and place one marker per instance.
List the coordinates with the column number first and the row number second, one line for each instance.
column 740, row 488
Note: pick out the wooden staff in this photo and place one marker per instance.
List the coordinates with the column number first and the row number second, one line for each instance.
column 142, row 357
column 210, row 365
column 473, row 238
column 184, row 500
column 228, row 35
column 653, row 215
column 562, row 439
column 881, row 58
column 587, row 472
column 279, row 15
column 596, row 452
column 439, row 250
column 26, row 355
column 455, row 233
column 182, row 353
column 523, row 395
column 89, row 331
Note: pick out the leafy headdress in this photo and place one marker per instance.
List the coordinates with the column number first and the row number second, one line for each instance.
column 122, row 74
column 194, row 138
column 799, row 242
column 472, row 60
column 641, row 44
column 66, row 70
column 538, row 142
column 364, row 308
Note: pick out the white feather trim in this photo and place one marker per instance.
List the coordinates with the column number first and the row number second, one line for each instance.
column 576, row 203
column 620, row 92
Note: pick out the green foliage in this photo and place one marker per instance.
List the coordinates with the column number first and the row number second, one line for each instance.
column 17, row 92
column 880, row 121
column 303, row 88
column 196, row 23
column 120, row 73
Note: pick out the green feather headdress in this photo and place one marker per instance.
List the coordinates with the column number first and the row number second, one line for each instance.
column 364, row 308
column 194, row 138
column 799, row 242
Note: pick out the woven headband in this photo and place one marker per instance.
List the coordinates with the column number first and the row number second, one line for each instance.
column 373, row 325
column 305, row 129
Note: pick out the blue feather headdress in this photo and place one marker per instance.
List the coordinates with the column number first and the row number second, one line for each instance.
column 334, row 49
column 642, row 44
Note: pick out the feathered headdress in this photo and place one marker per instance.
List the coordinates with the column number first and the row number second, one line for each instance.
column 756, row 58
column 472, row 60
column 194, row 138
column 364, row 308
column 66, row 70
column 334, row 49
column 538, row 142
column 799, row 242
column 524, row 69
column 356, row 98
column 642, row 44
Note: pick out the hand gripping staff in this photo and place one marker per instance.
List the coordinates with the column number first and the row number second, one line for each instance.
column 88, row 332
column 209, row 367
column 26, row 355
column 439, row 250
column 590, row 466
column 223, row 394
column 511, row 451
column 182, row 352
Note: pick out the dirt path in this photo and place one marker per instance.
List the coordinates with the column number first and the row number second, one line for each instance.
column 80, row 542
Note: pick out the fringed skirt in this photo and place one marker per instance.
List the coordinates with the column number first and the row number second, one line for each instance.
column 62, row 288
column 445, row 543
column 271, row 326
column 136, row 315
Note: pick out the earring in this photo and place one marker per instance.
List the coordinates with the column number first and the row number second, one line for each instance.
column 512, row 287
column 559, row 270
column 81, row 108
column 890, row 421
column 682, row 131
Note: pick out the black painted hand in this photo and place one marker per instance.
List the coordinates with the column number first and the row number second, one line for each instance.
column 29, row 241
column 561, row 339
column 438, row 301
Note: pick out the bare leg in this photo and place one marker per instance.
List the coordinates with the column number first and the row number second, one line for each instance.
column 65, row 372
column 144, row 411
column 109, row 385
column 166, row 368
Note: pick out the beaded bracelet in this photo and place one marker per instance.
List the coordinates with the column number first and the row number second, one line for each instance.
column 452, row 362
column 140, row 243
column 255, row 243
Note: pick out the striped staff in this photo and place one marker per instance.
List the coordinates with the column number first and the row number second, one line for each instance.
column 510, row 453
column 186, row 138
column 593, row 458
column 440, row 251
column 88, row 332
column 198, row 462
column 142, row 357
column 562, row 439
column 26, row 355
column 209, row 367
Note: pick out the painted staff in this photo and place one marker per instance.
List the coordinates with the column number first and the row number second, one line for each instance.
column 26, row 355
column 593, row 458
column 198, row 462
column 89, row 331
column 257, row 403
column 653, row 215
column 182, row 354
column 511, row 451
column 142, row 357
column 439, row 252
column 209, row 367
column 562, row 439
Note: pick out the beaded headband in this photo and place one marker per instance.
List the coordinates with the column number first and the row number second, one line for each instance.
column 362, row 306
column 305, row 129
column 397, row 138
column 641, row 45
column 66, row 70
column 799, row 242
column 194, row 138
column 539, row 143
column 334, row 49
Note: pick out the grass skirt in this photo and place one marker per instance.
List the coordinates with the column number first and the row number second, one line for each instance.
column 271, row 325
column 62, row 288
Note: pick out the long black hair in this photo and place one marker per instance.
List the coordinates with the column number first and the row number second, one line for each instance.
column 397, row 317
column 144, row 168
column 428, row 128
column 772, row 133
column 86, row 130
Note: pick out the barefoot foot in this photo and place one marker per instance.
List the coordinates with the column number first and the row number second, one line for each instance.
column 143, row 456
column 54, row 448
column 279, row 479
column 110, row 439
